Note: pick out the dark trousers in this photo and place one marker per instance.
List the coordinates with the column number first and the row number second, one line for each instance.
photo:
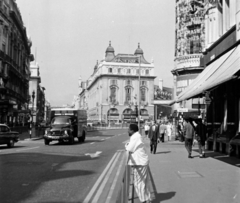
column 162, row 137
column 188, row 145
column 153, row 146
column 146, row 132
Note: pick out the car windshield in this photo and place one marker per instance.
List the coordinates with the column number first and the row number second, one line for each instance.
column 60, row 120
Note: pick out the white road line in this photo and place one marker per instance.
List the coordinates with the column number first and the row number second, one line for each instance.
column 99, row 192
column 26, row 149
column 102, row 139
column 90, row 194
column 114, row 181
column 92, row 142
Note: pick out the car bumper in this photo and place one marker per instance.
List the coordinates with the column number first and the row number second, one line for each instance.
column 60, row 137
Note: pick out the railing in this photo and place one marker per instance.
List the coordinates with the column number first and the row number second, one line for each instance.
column 125, row 194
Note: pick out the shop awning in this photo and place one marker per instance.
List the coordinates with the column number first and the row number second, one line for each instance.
column 213, row 75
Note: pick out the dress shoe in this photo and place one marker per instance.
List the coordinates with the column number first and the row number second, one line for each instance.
column 189, row 156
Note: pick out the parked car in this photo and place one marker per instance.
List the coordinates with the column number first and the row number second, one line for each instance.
column 7, row 136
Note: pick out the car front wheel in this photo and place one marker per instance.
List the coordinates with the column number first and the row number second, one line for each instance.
column 10, row 144
column 46, row 142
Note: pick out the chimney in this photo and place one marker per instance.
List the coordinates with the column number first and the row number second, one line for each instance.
column 160, row 84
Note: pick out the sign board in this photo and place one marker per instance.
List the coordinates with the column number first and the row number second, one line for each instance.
column 182, row 110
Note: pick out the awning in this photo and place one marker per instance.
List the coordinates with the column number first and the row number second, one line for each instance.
column 218, row 72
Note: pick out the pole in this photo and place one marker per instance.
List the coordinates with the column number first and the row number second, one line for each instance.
column 139, row 93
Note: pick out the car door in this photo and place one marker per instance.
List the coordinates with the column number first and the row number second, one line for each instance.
column 4, row 134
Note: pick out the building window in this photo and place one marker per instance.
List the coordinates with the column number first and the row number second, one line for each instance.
column 128, row 71
column 128, row 94
column 143, row 83
column 119, row 70
column 143, row 94
column 128, row 82
column 195, row 47
column 147, row 72
column 137, row 71
column 113, row 82
column 113, row 91
column 4, row 48
column 110, row 70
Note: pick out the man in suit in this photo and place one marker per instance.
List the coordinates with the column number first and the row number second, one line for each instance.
column 154, row 137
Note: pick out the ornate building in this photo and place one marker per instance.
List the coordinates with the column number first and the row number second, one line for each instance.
column 190, row 43
column 37, row 94
column 112, row 91
column 15, row 56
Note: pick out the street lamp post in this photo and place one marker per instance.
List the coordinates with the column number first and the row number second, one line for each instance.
column 33, row 97
column 139, row 90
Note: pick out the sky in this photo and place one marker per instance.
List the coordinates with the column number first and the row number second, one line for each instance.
column 68, row 37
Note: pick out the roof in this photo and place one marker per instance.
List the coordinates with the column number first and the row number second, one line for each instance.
column 218, row 72
column 129, row 58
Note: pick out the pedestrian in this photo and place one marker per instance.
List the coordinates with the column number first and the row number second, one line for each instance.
column 139, row 161
column 162, row 131
column 189, row 136
column 146, row 128
column 201, row 137
column 169, row 131
column 154, row 137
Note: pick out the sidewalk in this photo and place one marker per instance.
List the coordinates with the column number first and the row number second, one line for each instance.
column 36, row 134
column 178, row 179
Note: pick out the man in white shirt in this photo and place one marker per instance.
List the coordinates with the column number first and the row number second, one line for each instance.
column 139, row 161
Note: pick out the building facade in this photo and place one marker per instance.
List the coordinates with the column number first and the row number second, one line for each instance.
column 189, row 45
column 15, row 57
column 111, row 94
column 37, row 94
column 219, row 83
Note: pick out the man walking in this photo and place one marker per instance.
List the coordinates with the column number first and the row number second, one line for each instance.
column 189, row 136
column 201, row 137
column 153, row 136
column 162, row 131
column 139, row 161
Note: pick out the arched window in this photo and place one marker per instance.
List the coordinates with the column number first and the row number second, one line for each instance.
column 128, row 94
column 113, row 92
column 143, row 94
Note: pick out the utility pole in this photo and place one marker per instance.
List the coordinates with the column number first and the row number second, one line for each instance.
column 139, row 91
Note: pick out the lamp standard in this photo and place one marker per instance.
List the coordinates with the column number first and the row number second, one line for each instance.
column 33, row 97
column 139, row 90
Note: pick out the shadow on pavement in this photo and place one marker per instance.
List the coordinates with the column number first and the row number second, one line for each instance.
column 164, row 152
column 163, row 196
column 6, row 147
column 22, row 174
column 222, row 157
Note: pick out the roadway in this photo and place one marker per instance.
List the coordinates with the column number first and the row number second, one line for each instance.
column 32, row 172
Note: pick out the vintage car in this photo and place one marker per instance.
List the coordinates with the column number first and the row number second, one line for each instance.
column 7, row 136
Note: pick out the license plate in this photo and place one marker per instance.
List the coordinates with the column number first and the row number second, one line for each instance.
column 55, row 137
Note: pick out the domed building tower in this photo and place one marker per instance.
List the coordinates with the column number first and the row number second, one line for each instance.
column 109, row 53
column 114, row 92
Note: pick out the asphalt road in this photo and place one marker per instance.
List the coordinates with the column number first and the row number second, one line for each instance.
column 32, row 172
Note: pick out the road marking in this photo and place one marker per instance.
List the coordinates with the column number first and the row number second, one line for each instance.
column 125, row 141
column 26, row 149
column 114, row 181
column 102, row 139
column 92, row 191
column 92, row 142
column 94, row 155
column 99, row 192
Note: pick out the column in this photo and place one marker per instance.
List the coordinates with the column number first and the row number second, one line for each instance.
column 220, row 20
column 232, row 12
column 239, row 115
column 225, row 115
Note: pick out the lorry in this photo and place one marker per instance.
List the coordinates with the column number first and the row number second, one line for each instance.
column 66, row 124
